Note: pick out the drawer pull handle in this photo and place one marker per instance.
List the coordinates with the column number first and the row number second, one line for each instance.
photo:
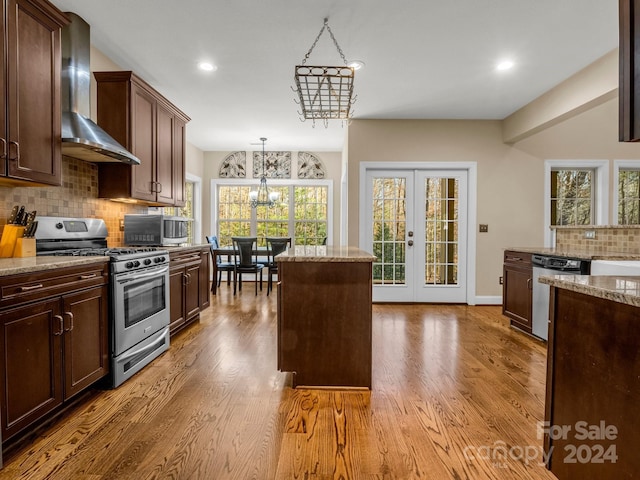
column 88, row 276
column 31, row 287
column 517, row 259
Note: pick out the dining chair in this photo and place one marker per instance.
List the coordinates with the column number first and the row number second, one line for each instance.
column 275, row 245
column 246, row 261
column 228, row 267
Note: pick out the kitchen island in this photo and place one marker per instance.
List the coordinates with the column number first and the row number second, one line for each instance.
column 592, row 425
column 324, row 316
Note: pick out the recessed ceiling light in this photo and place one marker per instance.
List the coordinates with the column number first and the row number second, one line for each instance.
column 356, row 64
column 505, row 65
column 207, row 67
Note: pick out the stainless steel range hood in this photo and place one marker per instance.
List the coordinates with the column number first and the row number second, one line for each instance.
column 81, row 137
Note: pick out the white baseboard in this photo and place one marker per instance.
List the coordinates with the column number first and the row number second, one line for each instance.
column 488, row 300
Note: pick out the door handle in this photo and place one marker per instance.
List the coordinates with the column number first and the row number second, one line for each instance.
column 410, row 233
column 60, row 319
column 70, row 321
column 410, row 243
column 17, row 157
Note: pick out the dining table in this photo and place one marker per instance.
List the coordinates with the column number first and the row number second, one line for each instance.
column 230, row 252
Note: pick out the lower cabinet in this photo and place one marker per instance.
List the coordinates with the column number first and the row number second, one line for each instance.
column 52, row 349
column 517, row 289
column 188, row 286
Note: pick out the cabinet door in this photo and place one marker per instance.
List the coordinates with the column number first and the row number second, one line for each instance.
column 176, row 292
column 3, row 100
column 205, row 293
column 192, row 290
column 33, row 67
column 30, row 342
column 86, row 347
column 164, row 156
column 179, row 161
column 143, row 112
column 517, row 295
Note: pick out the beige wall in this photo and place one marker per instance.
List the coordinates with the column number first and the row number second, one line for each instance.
column 212, row 161
column 510, row 177
column 509, row 180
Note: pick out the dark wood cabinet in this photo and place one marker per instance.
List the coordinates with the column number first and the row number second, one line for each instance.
column 517, row 289
column 30, row 123
column 593, row 384
column 205, row 272
column 188, row 286
column 53, row 341
column 154, row 130
column 324, row 322
column 86, row 347
column 629, row 71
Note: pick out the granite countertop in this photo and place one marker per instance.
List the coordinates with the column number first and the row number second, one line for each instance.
column 582, row 254
column 621, row 289
column 185, row 248
column 321, row 253
column 13, row 266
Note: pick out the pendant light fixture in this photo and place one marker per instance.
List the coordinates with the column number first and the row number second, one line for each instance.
column 262, row 196
column 325, row 92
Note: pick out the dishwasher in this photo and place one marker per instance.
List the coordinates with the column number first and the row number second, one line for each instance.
column 545, row 265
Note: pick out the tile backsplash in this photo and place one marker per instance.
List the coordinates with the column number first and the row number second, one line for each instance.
column 77, row 197
column 613, row 238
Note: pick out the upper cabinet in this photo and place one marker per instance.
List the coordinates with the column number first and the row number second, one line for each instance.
column 145, row 123
column 30, row 93
column 629, row 65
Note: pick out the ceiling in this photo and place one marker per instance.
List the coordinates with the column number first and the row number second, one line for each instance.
column 423, row 58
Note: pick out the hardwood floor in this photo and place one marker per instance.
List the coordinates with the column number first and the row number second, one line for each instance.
column 456, row 395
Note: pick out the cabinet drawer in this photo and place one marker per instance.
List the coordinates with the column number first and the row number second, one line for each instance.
column 517, row 258
column 16, row 289
column 182, row 259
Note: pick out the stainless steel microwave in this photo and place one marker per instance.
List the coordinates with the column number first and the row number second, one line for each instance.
column 155, row 230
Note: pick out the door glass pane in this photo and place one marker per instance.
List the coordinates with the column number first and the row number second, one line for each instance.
column 389, row 226
column 441, row 231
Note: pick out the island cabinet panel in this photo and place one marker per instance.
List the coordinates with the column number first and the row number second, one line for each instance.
column 517, row 293
column 30, row 118
column 324, row 322
column 53, row 341
column 593, row 385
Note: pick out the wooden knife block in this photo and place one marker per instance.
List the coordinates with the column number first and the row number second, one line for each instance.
column 10, row 236
column 25, row 247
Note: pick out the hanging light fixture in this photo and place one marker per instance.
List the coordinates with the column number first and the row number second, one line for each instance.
column 262, row 196
column 325, row 93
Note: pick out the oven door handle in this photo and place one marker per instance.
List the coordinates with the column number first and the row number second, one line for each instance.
column 145, row 275
column 160, row 339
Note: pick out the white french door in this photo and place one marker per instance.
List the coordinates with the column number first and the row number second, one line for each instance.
column 416, row 226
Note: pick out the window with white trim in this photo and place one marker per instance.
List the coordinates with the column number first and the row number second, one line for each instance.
column 572, row 196
column 303, row 212
column 629, row 197
column 599, row 199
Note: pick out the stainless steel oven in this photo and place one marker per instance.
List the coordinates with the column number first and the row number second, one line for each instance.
column 140, row 292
